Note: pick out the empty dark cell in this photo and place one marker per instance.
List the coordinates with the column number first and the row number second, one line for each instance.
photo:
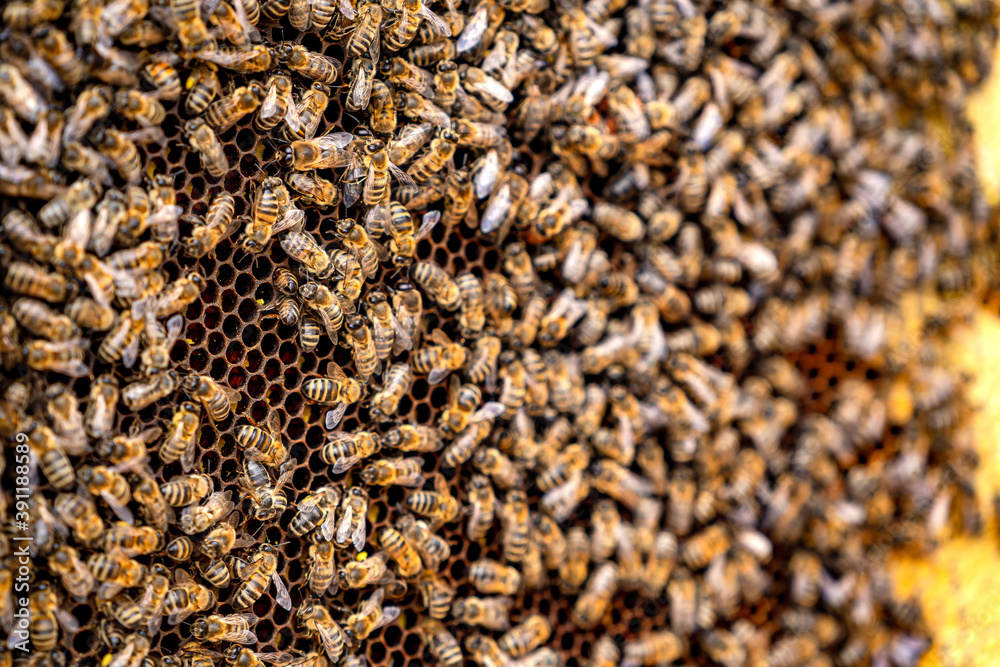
column 420, row 388
column 424, row 248
column 212, row 317
column 225, row 249
column 250, row 335
column 254, row 357
column 244, row 283
column 230, row 470
column 207, row 265
column 376, row 652
column 290, row 379
column 198, row 360
column 272, row 369
column 472, row 251
column 458, row 570
column 295, row 428
column 174, row 152
column 246, row 140
column 412, row 645
column 349, row 424
column 288, row 353
column 275, row 395
column 491, row 260
column 567, row 641
column 280, row 615
column 261, row 608
column 457, row 265
column 255, row 386
column 248, row 165
column 259, row 412
column 237, row 376
column 193, row 311
column 308, row 362
column 225, row 276
column 229, row 300
column 286, row 332
column 293, row 404
column 218, row 369
column 197, row 187
column 261, row 268
column 208, row 461
column 441, row 257
column 269, row 344
column 192, row 162
column 473, row 551
column 398, row 659
column 179, row 352
column 264, row 292
column 423, row 413
column 454, row 243
column 216, row 341
column 247, row 310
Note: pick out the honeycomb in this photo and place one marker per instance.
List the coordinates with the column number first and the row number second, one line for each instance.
column 231, row 335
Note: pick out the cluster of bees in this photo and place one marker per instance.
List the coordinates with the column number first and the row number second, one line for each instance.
column 681, row 193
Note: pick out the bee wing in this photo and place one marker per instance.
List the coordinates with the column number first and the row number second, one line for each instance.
column 287, row 468
column 439, row 337
column 334, row 139
column 344, row 464
column 373, row 50
column 336, row 372
column 437, row 24
column 344, row 525
column 293, row 117
column 495, row 59
column 427, row 224
column 474, row 29
column 68, row 622
column 360, row 535
column 437, row 375
column 333, row 639
column 248, row 33
column 328, row 529
column 389, row 615
column 377, row 219
column 226, row 59
column 122, row 658
column 293, row 218
column 402, row 336
column 626, row 436
column 362, row 89
column 269, row 105
column 333, row 418
column 496, row 210
column 279, row 658
column 490, row 410
column 492, row 87
column 413, row 480
column 347, row 9
column 246, row 636
column 281, row 593
column 485, row 179
column 372, row 603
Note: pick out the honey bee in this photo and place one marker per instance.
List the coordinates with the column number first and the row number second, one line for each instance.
column 204, row 141
column 203, row 86
column 25, row 235
column 183, row 490
column 653, row 649
column 420, row 108
column 361, row 80
column 443, row 645
column 32, row 281
column 371, row 571
column 371, row 617
column 619, row 483
column 47, row 616
column 490, row 576
column 143, row 393
column 365, row 36
column 111, row 487
column 233, row 628
column 326, row 152
column 80, row 515
column 311, row 65
column 51, row 452
column 382, row 111
column 317, row 510
column 116, row 571
column 133, row 540
column 398, row 472
column 366, row 361
column 402, row 552
column 154, row 507
column 551, row 540
column 314, row 190
column 208, row 232
column 268, row 499
column 187, row 597
column 490, row 613
column 243, row 657
column 413, row 438
column 336, row 389
column 351, row 529
column 316, row 620
column 198, row 518
column 223, row 539
column 397, row 382
column 257, row 58
column 73, row 573
column 263, row 445
column 262, row 568
column 218, row 401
